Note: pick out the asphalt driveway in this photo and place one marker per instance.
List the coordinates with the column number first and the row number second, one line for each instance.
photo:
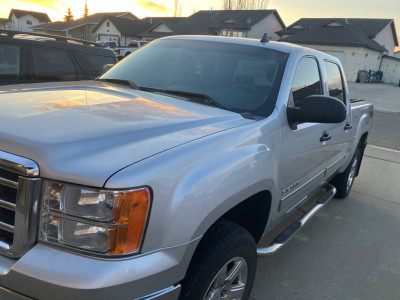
column 350, row 249
column 384, row 97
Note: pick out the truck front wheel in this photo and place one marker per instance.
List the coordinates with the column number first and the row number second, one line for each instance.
column 223, row 266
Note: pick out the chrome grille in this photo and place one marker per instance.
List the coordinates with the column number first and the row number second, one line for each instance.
column 19, row 200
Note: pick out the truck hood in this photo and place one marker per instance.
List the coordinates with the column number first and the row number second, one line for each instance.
column 83, row 132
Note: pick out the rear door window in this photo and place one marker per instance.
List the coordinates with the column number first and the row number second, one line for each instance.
column 334, row 80
column 53, row 64
column 10, row 62
column 306, row 82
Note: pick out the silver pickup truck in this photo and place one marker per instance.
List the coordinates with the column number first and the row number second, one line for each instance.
column 162, row 178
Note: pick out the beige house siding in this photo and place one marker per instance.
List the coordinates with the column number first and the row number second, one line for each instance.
column 111, row 31
column 385, row 38
column 21, row 23
column 355, row 58
column 391, row 70
column 269, row 25
column 161, row 28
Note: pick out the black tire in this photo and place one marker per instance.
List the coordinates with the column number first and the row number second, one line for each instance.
column 225, row 242
column 343, row 182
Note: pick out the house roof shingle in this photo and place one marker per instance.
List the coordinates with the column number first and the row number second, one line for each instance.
column 207, row 22
column 127, row 26
column 42, row 17
column 204, row 21
column 351, row 32
column 91, row 19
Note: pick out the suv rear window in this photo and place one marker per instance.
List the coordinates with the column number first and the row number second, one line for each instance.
column 53, row 64
column 10, row 63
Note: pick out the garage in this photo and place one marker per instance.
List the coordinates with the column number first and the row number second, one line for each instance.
column 338, row 54
column 390, row 67
column 108, row 38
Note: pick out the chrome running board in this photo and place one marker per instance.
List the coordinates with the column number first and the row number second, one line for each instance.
column 285, row 236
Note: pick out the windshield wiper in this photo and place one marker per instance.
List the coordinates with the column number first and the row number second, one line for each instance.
column 208, row 99
column 205, row 97
column 123, row 81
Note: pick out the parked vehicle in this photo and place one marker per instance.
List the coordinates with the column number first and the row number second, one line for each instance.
column 105, row 44
column 122, row 52
column 27, row 57
column 159, row 179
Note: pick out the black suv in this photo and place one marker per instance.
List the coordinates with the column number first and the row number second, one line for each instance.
column 32, row 57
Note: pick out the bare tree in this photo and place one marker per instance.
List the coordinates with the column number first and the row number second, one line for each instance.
column 176, row 8
column 228, row 4
column 244, row 4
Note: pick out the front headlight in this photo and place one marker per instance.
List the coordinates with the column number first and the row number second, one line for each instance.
column 100, row 221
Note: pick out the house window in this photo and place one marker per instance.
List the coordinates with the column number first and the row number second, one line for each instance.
column 237, row 33
column 29, row 22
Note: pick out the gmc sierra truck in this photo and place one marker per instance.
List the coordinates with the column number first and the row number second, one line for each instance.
column 160, row 179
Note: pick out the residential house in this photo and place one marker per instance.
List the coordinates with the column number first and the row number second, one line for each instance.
column 3, row 23
column 23, row 20
column 80, row 28
column 236, row 23
column 120, row 30
column 359, row 43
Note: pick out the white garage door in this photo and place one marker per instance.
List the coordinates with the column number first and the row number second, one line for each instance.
column 108, row 38
column 338, row 54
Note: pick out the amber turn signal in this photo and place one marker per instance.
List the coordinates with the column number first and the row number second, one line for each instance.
column 130, row 216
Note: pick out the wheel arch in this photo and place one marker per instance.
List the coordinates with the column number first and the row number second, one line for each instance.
column 252, row 213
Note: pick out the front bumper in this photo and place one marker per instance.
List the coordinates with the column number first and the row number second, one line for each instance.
column 6, row 294
column 171, row 293
column 46, row 273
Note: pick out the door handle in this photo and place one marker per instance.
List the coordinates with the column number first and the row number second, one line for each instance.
column 348, row 126
column 325, row 137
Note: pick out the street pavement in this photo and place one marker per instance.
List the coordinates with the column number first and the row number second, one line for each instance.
column 351, row 248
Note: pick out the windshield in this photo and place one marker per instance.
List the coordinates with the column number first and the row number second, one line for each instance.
column 241, row 78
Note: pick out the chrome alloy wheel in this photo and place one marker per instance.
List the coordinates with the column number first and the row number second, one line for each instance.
column 352, row 173
column 230, row 281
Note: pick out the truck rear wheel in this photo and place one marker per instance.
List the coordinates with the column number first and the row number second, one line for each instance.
column 223, row 266
column 343, row 182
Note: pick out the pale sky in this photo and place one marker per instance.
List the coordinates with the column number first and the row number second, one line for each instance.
column 289, row 10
